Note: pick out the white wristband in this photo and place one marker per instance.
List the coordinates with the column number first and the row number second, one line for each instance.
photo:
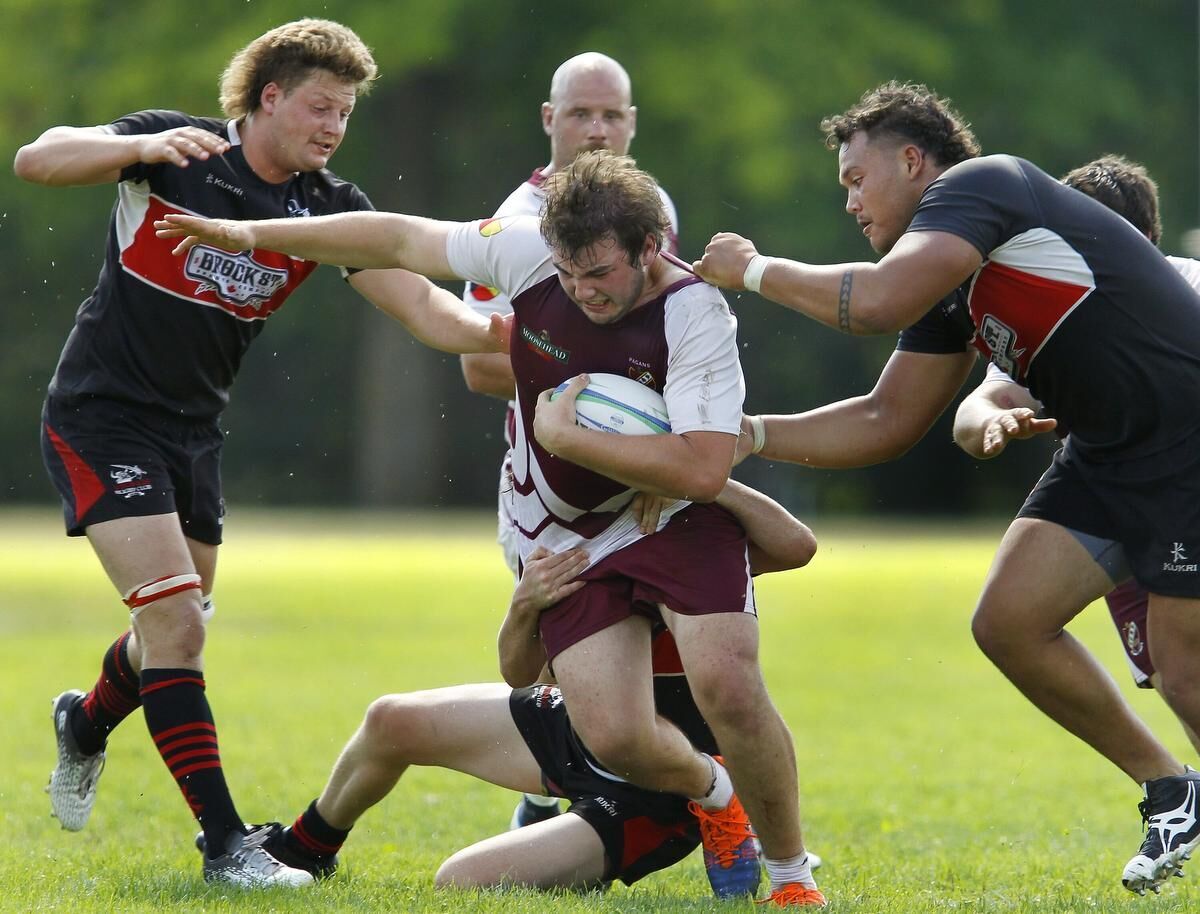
column 758, row 431
column 752, row 278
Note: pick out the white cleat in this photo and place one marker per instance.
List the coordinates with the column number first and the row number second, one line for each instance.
column 72, row 786
column 247, row 864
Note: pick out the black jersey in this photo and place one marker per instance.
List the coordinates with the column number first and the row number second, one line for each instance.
column 170, row 331
column 1071, row 301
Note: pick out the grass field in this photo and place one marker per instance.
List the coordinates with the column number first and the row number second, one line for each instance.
column 928, row 783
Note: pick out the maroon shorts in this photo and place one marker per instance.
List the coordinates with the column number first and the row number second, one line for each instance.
column 1128, row 604
column 696, row 565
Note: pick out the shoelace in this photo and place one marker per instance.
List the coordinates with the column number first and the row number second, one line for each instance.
column 724, row 831
column 794, row 892
column 92, row 771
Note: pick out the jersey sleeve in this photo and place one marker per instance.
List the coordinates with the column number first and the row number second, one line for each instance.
column 506, row 253
column 980, row 200
column 150, row 121
column 704, row 389
column 937, row 333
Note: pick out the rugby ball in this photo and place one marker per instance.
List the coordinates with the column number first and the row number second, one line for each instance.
column 612, row 403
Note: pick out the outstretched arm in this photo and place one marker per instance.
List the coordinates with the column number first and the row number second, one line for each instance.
column 995, row 413
column 65, row 156
column 431, row 314
column 367, row 240
column 862, row 298
column 913, row 389
column 778, row 539
column 545, row 579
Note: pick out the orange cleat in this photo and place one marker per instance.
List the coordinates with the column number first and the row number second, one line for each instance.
column 730, row 849
column 795, row 895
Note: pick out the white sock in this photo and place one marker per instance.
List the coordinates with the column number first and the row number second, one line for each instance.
column 721, row 791
column 792, row 869
column 538, row 800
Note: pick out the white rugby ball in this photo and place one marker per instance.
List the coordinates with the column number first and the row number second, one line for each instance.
column 612, row 403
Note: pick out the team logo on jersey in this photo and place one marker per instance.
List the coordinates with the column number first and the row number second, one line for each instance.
column 482, row 293
column 1000, row 340
column 640, row 372
column 540, row 343
column 126, row 480
column 295, row 209
column 1133, row 639
column 235, row 277
column 547, row 697
column 493, row 226
column 1179, row 560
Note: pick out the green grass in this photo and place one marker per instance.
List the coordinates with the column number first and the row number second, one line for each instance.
column 928, row 783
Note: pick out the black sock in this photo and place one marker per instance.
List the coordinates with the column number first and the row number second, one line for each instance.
column 181, row 723
column 113, row 698
column 313, row 837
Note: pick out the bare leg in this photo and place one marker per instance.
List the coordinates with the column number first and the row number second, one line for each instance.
column 563, row 852
column 720, row 654
column 1040, row 579
column 1156, row 681
column 606, row 680
column 1174, row 624
column 467, row 728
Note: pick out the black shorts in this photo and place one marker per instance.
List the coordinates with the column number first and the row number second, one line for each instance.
column 642, row 830
column 110, row 459
column 1151, row 506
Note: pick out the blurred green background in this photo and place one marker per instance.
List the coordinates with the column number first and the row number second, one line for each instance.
column 335, row 407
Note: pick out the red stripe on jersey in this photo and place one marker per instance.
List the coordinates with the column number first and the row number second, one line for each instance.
column 86, row 487
column 250, row 285
column 1016, row 312
column 642, row 836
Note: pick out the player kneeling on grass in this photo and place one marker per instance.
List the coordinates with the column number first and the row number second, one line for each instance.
column 522, row 738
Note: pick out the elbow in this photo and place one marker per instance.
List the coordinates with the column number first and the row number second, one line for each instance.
column 27, row 165
column 706, row 487
column 802, row 548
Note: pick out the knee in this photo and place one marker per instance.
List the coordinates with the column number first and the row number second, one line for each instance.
column 993, row 633
column 457, row 872
column 174, row 628
column 731, row 696
column 391, row 725
column 622, row 750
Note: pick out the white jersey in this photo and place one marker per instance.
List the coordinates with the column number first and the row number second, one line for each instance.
column 683, row 344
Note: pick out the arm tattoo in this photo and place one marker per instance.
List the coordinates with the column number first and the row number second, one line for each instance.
column 844, row 302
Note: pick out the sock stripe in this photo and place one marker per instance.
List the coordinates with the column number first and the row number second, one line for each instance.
column 209, row 752
column 191, row 769
column 168, row 683
column 198, row 725
column 207, row 739
column 309, row 841
column 121, row 662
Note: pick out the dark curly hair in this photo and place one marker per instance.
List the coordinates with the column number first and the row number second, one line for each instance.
column 601, row 195
column 909, row 111
column 1122, row 186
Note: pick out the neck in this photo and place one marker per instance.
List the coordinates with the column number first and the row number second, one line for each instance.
column 659, row 277
column 256, row 149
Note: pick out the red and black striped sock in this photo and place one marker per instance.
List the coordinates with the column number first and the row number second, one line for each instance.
column 181, row 723
column 113, row 698
column 313, row 837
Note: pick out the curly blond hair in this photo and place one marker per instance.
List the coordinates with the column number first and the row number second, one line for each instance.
column 287, row 55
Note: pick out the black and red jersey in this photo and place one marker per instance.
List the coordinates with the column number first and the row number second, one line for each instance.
column 170, row 331
column 1071, row 301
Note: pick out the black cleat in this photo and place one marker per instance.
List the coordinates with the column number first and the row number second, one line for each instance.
column 1171, row 814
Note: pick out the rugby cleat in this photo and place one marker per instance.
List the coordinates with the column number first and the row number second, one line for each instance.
column 795, row 895
column 247, row 864
column 528, row 812
column 1170, row 814
column 72, row 786
column 275, row 843
column 731, row 857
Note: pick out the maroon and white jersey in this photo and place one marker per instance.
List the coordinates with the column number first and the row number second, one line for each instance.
column 170, row 331
column 1073, row 302
column 682, row 344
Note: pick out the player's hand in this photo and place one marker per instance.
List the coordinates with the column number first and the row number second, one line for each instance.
column 180, row 144
column 547, row 577
column 228, row 234
column 1017, row 423
column 554, row 420
column 725, row 260
column 500, row 331
column 647, row 510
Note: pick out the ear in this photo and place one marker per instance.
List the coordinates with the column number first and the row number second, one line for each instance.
column 650, row 250
column 632, row 121
column 547, row 117
column 270, row 97
column 914, row 159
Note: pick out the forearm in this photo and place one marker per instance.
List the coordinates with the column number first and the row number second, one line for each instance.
column 519, row 645
column 974, row 415
column 367, row 240
column 778, row 539
column 848, row 297
column 431, row 314
column 489, row 373
column 669, row 465
column 66, row 156
column 843, row 435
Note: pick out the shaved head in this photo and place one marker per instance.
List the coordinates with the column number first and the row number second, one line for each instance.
column 589, row 63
